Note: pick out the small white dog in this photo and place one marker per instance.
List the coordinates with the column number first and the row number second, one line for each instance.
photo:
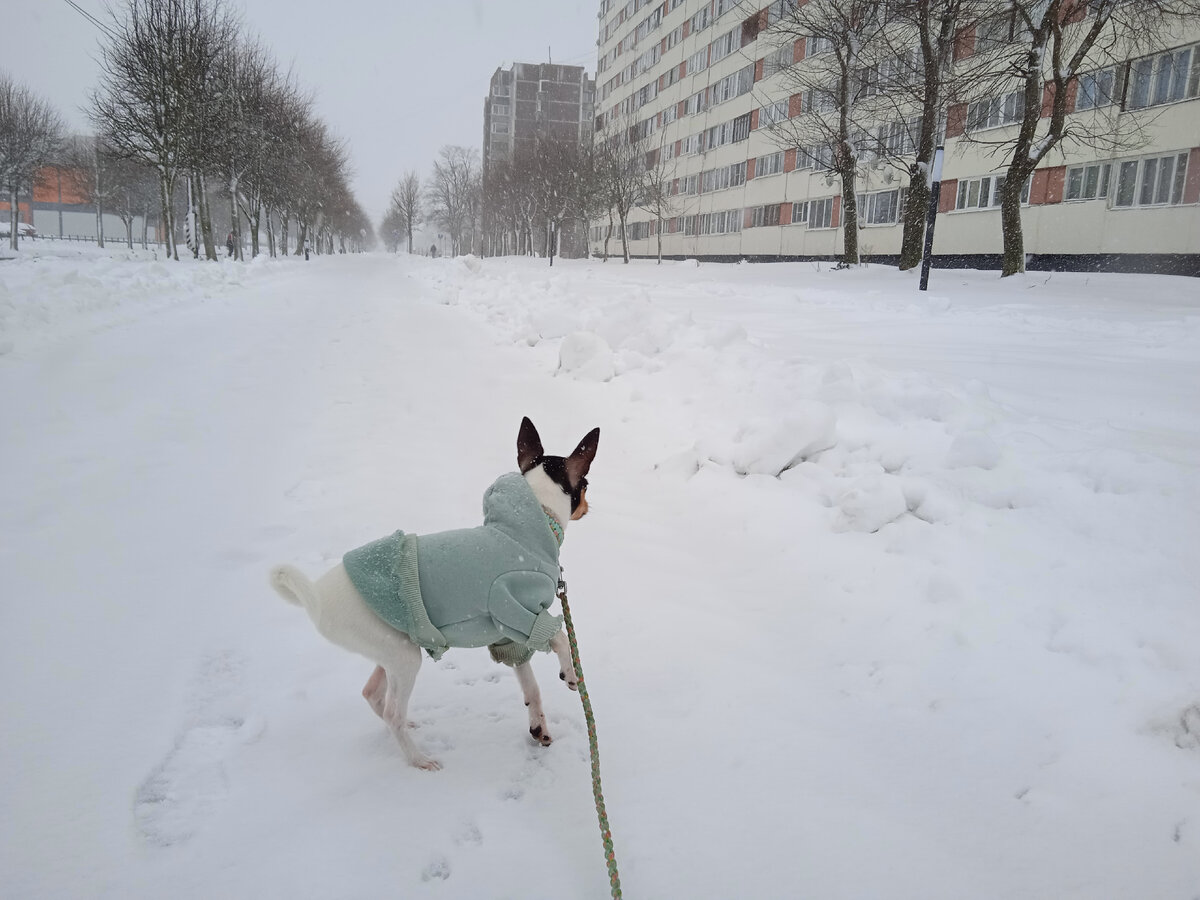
column 486, row 586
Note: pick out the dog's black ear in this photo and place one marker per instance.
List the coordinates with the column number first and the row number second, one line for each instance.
column 580, row 460
column 529, row 446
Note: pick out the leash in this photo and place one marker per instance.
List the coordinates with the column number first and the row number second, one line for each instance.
column 605, row 832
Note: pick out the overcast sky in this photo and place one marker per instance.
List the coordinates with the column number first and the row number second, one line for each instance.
column 396, row 79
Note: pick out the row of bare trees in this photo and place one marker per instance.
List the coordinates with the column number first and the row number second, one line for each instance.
column 188, row 96
column 185, row 98
column 451, row 200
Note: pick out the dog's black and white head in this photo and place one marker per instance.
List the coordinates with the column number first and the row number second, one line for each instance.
column 559, row 482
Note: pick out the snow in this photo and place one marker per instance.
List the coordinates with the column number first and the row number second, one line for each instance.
column 881, row 594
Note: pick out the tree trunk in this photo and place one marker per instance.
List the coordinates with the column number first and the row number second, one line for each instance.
column 608, row 234
column 13, row 217
column 285, row 222
column 850, row 255
column 660, row 228
column 99, row 219
column 1010, row 223
column 210, row 249
column 168, row 216
column 916, row 211
column 624, row 236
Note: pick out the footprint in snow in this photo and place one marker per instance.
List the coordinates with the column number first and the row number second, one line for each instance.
column 189, row 785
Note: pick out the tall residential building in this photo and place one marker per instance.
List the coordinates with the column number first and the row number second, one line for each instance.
column 535, row 100
column 527, row 103
column 708, row 86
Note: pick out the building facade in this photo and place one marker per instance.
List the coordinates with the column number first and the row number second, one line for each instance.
column 59, row 210
column 708, row 88
column 528, row 102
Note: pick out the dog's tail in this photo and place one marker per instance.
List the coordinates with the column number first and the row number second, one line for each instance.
column 293, row 586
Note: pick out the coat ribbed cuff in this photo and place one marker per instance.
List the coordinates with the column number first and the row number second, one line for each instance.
column 545, row 626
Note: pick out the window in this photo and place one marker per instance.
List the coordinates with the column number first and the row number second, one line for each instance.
column 702, row 19
column 1164, row 78
column 723, row 177
column 800, row 213
column 762, row 216
column 821, row 100
column 698, row 61
column 740, row 82
column 898, row 138
column 1096, row 89
column 780, row 9
column 1088, row 182
column 727, row 221
column 985, row 193
column 778, row 60
column 725, row 44
column 698, row 102
column 689, row 184
column 1155, row 181
column 772, row 164
column 818, row 45
column 995, row 112
column 818, row 156
column 820, row 213
column 691, row 144
column 500, row 128
column 882, row 208
column 773, row 114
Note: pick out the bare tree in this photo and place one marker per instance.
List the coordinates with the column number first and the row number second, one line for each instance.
column 621, row 168
column 658, row 188
column 837, row 39
column 154, row 74
column 30, row 134
column 911, row 76
column 453, row 192
column 1037, row 51
column 405, row 209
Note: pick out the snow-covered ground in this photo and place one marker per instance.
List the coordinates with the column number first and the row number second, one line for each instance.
column 883, row 595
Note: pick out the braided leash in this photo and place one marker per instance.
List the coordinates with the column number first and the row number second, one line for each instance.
column 605, row 833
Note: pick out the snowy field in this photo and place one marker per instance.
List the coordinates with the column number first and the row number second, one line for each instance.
column 883, row 595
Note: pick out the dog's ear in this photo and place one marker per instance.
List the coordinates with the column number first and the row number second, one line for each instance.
column 580, row 460
column 529, row 446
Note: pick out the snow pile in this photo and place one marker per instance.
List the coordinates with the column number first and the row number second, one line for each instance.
column 586, row 356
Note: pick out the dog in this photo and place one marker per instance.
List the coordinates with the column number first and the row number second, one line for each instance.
column 486, row 586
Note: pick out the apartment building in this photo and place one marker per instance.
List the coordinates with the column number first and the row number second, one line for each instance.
column 531, row 100
column 528, row 102
column 708, row 88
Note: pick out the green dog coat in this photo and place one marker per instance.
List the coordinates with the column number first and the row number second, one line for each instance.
column 472, row 587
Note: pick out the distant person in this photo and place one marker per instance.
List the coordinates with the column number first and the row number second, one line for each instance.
column 307, row 248
column 229, row 244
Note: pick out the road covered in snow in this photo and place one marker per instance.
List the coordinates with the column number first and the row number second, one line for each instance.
column 882, row 595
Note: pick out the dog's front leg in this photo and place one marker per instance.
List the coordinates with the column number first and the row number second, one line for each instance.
column 533, row 700
column 566, row 666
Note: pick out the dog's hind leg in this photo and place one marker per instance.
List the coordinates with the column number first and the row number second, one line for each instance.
column 375, row 690
column 401, row 672
column 533, row 700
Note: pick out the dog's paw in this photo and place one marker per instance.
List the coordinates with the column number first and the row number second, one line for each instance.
column 426, row 763
column 570, row 679
column 541, row 734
